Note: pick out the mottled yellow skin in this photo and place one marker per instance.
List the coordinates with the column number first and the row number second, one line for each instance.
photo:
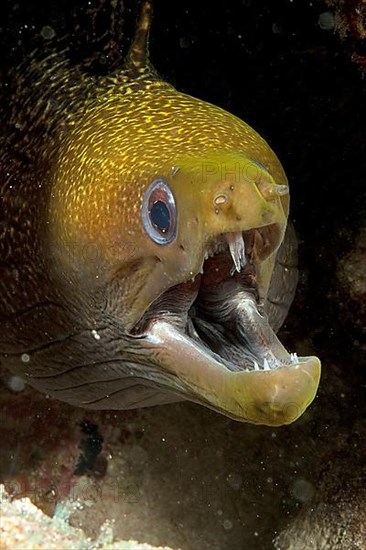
column 83, row 307
column 122, row 142
column 107, row 159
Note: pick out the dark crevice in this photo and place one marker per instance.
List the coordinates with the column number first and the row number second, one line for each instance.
column 91, row 447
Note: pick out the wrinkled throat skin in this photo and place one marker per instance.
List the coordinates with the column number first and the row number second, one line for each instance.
column 146, row 257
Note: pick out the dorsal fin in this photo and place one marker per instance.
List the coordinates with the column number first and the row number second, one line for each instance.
column 137, row 59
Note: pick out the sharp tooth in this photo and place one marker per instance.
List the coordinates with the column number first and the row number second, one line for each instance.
column 256, row 366
column 237, row 250
column 266, row 365
column 294, row 358
column 206, row 255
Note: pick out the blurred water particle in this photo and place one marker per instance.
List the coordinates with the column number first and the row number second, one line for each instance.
column 302, row 490
column 277, row 28
column 228, row 525
column 16, row 383
column 48, row 32
column 234, row 480
column 326, row 21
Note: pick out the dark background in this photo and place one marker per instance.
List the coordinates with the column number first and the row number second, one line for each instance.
column 271, row 64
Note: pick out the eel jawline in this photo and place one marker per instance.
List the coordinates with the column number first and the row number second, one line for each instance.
column 272, row 398
column 214, row 340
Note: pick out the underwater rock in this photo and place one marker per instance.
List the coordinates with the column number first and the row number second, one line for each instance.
column 25, row 526
column 351, row 17
column 350, row 23
column 336, row 516
column 350, row 288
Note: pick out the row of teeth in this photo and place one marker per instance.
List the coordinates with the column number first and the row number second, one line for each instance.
column 293, row 357
column 265, row 365
column 237, row 251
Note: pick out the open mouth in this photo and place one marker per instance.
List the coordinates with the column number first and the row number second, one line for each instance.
column 221, row 309
column 212, row 340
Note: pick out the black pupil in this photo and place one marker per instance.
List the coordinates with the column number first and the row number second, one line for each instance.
column 160, row 216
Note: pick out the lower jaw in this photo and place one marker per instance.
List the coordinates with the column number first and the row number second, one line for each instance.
column 270, row 397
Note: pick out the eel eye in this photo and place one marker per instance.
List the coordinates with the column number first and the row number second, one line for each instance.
column 159, row 212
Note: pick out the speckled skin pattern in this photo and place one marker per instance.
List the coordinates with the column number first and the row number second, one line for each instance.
column 77, row 267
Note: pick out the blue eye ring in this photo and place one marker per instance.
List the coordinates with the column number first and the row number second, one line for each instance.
column 159, row 212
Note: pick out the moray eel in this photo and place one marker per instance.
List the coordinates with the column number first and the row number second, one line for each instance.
column 139, row 234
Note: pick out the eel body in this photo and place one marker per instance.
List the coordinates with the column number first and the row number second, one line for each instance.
column 138, row 237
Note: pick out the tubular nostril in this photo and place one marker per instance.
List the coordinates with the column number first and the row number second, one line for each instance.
column 265, row 182
column 282, row 189
column 270, row 191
